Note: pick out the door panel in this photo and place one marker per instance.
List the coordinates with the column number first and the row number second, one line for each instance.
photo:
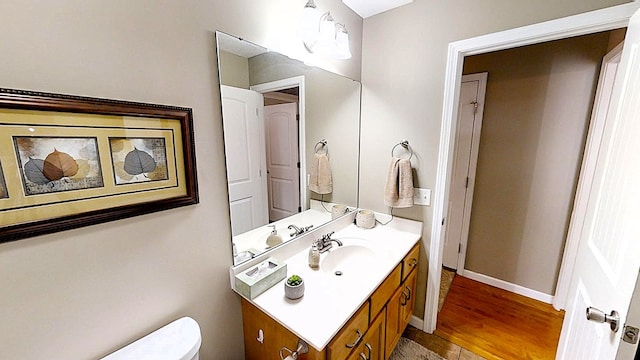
column 283, row 179
column 470, row 111
column 244, row 141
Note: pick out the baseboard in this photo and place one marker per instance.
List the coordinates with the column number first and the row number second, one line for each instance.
column 416, row 322
column 501, row 284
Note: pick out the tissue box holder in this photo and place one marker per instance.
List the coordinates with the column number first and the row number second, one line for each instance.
column 252, row 286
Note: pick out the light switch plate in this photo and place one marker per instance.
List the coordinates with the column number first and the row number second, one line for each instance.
column 421, row 196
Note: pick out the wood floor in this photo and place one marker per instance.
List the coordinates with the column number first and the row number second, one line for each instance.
column 497, row 324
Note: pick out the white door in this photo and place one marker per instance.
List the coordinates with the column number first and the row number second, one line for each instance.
column 608, row 71
column 283, row 173
column 472, row 91
column 244, row 144
column 608, row 257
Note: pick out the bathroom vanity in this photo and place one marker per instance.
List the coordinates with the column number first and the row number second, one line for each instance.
column 357, row 304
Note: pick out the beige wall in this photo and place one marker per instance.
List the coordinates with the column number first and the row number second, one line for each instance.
column 536, row 117
column 404, row 59
column 83, row 293
column 234, row 70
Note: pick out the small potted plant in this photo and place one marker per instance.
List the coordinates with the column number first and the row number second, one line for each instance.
column 294, row 287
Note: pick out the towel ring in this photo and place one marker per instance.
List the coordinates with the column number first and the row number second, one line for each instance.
column 322, row 144
column 405, row 145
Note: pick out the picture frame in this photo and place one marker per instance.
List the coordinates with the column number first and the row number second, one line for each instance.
column 69, row 161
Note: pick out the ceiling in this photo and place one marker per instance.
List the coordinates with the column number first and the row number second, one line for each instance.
column 367, row 8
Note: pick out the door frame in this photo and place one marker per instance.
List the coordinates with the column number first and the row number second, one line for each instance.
column 582, row 24
column 472, row 165
column 296, row 81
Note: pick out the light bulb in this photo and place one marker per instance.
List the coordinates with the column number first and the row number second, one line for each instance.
column 342, row 50
column 308, row 30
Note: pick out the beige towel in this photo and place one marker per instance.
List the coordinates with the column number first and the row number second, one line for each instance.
column 398, row 191
column 320, row 180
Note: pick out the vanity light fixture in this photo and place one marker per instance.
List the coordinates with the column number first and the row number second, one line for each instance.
column 320, row 34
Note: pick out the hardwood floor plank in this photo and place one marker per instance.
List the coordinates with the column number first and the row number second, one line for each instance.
column 498, row 324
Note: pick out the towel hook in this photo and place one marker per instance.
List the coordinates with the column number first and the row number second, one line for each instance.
column 405, row 145
column 323, row 144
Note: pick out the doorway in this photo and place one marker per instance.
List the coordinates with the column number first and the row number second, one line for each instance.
column 288, row 91
column 602, row 20
column 510, row 167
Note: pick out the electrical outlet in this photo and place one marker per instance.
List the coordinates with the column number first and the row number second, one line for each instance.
column 421, row 196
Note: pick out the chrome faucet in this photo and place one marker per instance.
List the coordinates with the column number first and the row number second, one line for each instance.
column 298, row 230
column 325, row 243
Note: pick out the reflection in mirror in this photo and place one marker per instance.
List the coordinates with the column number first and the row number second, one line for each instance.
column 286, row 126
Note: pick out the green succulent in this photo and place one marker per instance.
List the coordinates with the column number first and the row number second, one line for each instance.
column 294, row 280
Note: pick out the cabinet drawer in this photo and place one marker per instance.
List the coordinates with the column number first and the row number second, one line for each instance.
column 350, row 336
column 410, row 261
column 372, row 345
column 384, row 291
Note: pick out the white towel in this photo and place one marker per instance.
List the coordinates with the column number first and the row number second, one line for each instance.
column 398, row 191
column 320, row 180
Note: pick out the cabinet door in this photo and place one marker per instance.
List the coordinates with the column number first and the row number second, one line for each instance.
column 393, row 323
column 372, row 346
column 399, row 312
column 407, row 304
column 264, row 337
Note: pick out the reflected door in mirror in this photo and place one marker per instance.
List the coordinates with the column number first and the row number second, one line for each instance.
column 244, row 139
column 283, row 179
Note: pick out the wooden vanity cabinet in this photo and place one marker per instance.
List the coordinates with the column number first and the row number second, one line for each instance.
column 371, row 334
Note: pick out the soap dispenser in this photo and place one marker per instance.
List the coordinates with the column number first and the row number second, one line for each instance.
column 314, row 256
column 274, row 238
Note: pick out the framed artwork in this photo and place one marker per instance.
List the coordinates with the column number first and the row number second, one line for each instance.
column 69, row 161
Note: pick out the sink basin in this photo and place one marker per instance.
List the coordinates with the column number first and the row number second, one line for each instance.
column 347, row 259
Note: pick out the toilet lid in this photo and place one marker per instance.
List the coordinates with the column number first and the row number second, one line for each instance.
column 179, row 340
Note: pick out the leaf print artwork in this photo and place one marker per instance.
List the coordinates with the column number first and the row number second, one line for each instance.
column 58, row 165
column 138, row 159
column 33, row 170
column 50, row 164
column 137, row 162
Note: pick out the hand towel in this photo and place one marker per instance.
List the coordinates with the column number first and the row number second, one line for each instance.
column 398, row 191
column 320, row 180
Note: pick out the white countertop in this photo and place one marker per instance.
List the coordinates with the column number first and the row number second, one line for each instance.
column 329, row 300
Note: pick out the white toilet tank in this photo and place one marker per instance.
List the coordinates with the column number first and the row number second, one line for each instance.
column 179, row 340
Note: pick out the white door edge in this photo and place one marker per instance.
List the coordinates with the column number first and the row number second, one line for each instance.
column 582, row 24
column 285, row 84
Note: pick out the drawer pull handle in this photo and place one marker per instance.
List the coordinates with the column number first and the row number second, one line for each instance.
column 403, row 299
column 409, row 290
column 368, row 346
column 363, row 357
column 355, row 343
column 413, row 262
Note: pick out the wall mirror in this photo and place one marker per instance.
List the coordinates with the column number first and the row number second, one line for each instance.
column 281, row 119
